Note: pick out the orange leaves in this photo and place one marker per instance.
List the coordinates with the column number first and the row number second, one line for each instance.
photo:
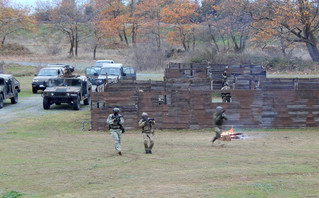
column 179, row 12
column 13, row 19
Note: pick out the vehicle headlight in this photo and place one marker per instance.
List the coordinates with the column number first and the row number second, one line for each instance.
column 35, row 80
column 73, row 94
column 52, row 94
column 67, row 94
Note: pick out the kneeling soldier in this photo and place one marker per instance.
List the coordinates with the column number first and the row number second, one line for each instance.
column 115, row 122
column 148, row 132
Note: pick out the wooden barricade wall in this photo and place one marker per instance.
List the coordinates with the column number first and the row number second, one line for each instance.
column 184, row 100
column 194, row 109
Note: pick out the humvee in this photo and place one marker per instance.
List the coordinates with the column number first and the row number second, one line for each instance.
column 9, row 88
column 70, row 90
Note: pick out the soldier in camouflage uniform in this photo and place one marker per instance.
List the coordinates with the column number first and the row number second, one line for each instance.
column 115, row 122
column 219, row 117
column 225, row 94
column 148, row 132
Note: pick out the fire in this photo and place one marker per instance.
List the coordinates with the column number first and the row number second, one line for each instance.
column 230, row 134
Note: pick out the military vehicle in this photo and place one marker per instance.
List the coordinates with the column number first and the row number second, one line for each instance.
column 71, row 90
column 9, row 88
column 49, row 72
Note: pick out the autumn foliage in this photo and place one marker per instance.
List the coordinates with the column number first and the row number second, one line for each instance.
column 219, row 26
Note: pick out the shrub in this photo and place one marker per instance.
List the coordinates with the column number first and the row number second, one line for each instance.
column 14, row 49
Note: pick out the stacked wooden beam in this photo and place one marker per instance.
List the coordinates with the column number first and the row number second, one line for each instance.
column 245, row 76
column 102, row 104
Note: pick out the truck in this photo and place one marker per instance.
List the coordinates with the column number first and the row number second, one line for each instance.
column 69, row 89
column 9, row 89
column 49, row 72
column 115, row 72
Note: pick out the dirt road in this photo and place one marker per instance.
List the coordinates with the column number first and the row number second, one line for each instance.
column 28, row 107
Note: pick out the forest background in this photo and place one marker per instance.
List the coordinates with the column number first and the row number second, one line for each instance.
column 281, row 35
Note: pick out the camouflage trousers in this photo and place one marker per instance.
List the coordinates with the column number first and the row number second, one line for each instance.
column 218, row 131
column 148, row 138
column 117, row 135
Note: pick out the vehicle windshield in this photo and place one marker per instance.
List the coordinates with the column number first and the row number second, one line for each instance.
column 1, row 81
column 111, row 71
column 48, row 72
column 95, row 70
column 64, row 82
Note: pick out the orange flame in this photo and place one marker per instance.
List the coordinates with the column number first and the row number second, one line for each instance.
column 229, row 132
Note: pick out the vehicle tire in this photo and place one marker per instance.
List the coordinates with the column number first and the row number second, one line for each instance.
column 1, row 101
column 87, row 101
column 58, row 103
column 76, row 103
column 34, row 90
column 14, row 100
column 46, row 103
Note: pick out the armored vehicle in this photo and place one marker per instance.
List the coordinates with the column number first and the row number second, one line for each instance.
column 51, row 71
column 9, row 88
column 70, row 90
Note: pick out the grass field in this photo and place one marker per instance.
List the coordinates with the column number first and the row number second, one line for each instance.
column 49, row 156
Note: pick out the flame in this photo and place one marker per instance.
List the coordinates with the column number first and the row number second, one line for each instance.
column 229, row 132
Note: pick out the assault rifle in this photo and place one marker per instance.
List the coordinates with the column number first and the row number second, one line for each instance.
column 117, row 120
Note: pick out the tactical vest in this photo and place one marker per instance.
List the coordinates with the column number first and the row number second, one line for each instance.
column 147, row 128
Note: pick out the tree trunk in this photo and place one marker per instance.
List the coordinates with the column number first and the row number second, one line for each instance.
column 313, row 51
column 3, row 40
column 94, row 51
column 212, row 37
column 159, row 44
column 194, row 39
column 134, row 28
column 125, row 37
column 121, row 37
column 236, row 47
column 71, row 39
column 76, row 40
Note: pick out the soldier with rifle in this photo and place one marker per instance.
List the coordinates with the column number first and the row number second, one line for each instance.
column 146, row 124
column 219, row 117
column 115, row 122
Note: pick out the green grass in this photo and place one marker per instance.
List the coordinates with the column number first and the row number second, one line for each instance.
column 25, row 86
column 49, row 155
column 19, row 70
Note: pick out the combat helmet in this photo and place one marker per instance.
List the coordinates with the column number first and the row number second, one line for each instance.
column 144, row 115
column 219, row 108
column 116, row 110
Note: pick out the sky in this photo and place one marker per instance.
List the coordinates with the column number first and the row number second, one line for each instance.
column 25, row 2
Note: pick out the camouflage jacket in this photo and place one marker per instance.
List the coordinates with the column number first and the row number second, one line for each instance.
column 147, row 126
column 219, row 118
column 113, row 124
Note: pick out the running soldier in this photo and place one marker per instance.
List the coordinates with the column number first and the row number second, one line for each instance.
column 219, row 117
column 115, row 122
